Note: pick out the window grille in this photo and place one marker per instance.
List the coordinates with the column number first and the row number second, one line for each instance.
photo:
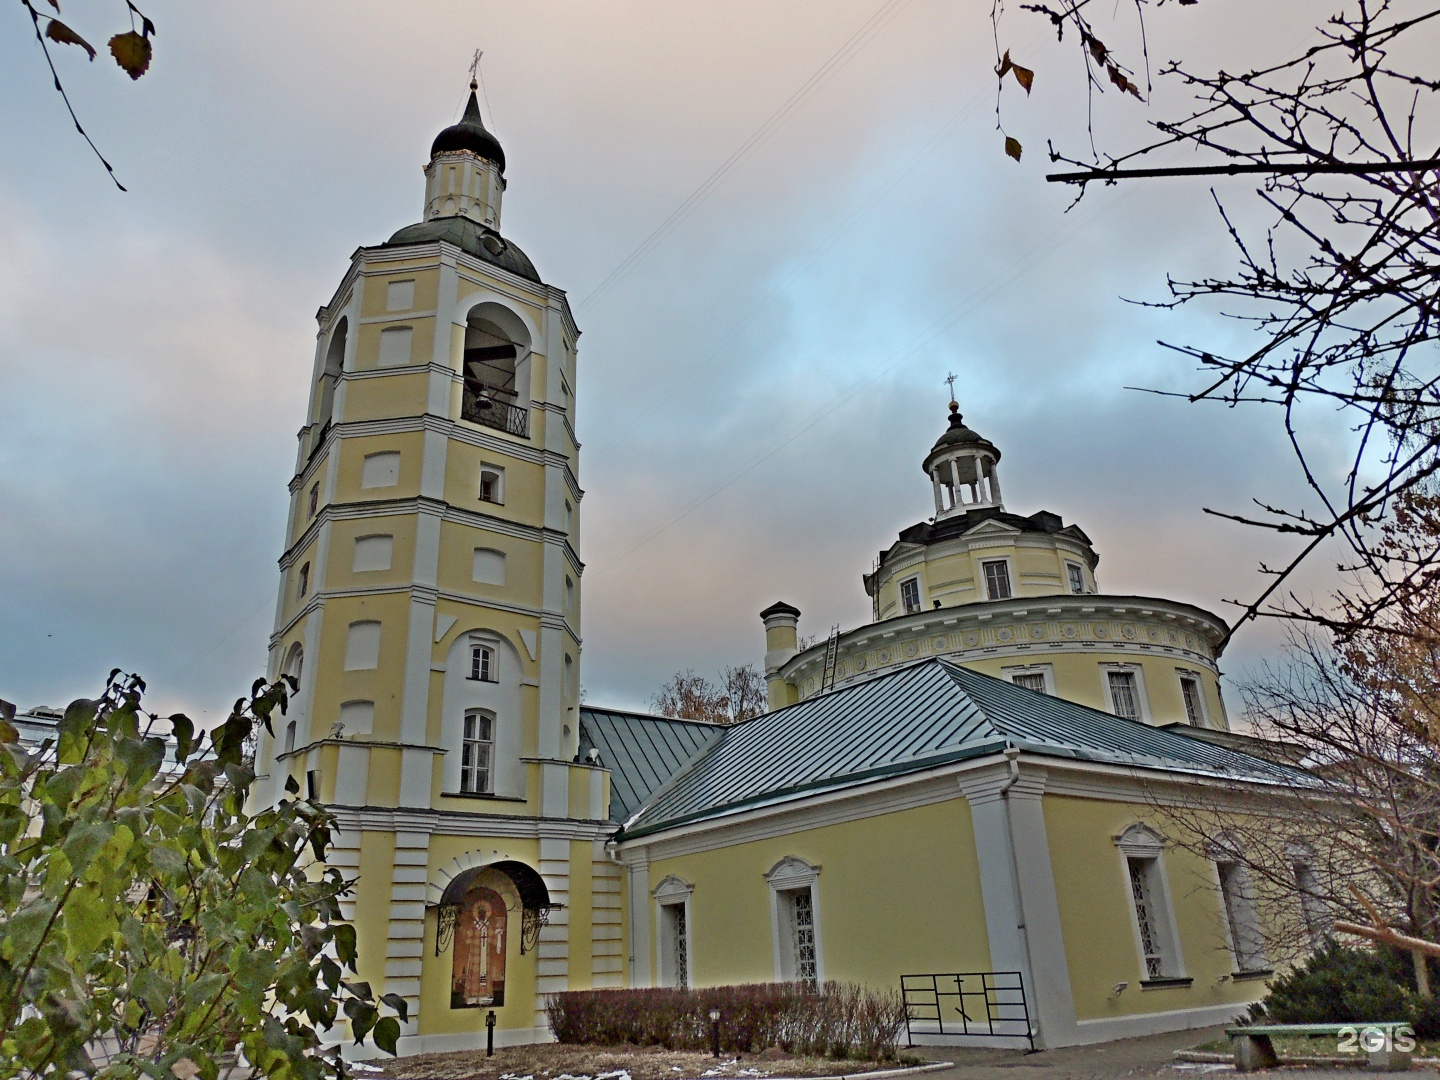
column 680, row 945
column 1124, row 694
column 910, row 595
column 1145, row 916
column 802, row 908
column 1030, row 680
column 997, row 580
column 475, row 751
column 482, row 663
column 1194, row 710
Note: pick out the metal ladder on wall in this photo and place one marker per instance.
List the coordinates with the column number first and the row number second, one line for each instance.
column 832, row 651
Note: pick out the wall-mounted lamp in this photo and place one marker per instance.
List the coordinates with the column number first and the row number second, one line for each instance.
column 715, row 1031
column 1222, row 979
column 1119, row 988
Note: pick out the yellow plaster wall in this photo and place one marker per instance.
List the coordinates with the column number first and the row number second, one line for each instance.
column 383, row 684
column 376, row 293
column 1037, row 568
column 881, row 879
column 372, row 904
column 524, row 564
column 340, row 572
column 524, row 482
column 401, row 393
column 1098, row 922
column 353, row 452
column 367, row 344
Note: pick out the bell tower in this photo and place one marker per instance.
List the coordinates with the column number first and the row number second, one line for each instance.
column 429, row 605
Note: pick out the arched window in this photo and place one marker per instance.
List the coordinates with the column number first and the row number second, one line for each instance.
column 477, row 751
column 478, row 974
column 482, row 664
column 330, row 378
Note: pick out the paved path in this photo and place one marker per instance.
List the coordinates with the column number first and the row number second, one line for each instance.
column 1151, row 1055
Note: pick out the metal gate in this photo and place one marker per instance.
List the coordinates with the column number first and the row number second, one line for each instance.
column 970, row 1003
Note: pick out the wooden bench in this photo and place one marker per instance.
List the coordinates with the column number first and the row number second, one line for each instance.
column 1254, row 1050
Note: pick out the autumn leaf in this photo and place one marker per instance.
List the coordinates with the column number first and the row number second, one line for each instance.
column 1097, row 48
column 1024, row 76
column 58, row 31
column 1005, row 65
column 131, row 52
column 56, row 4
column 1013, row 147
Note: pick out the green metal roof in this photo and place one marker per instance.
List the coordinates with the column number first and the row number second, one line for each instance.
column 642, row 752
column 919, row 717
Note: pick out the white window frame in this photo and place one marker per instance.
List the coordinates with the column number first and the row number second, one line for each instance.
column 1045, row 671
column 905, row 607
column 1237, row 903
column 671, row 894
column 787, row 877
column 1142, row 699
column 467, row 786
column 1142, row 843
column 1185, row 675
column 498, row 472
column 1072, row 569
column 1312, row 907
column 484, row 661
column 1009, row 578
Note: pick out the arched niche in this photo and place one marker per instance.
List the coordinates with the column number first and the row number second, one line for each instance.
column 500, row 696
column 519, row 884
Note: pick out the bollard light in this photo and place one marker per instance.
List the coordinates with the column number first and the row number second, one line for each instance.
column 490, row 1033
column 715, row 1031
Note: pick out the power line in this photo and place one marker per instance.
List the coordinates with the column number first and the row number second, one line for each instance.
column 887, row 11
column 960, row 309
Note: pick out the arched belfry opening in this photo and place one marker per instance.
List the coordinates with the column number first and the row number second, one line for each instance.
column 330, row 376
column 496, row 370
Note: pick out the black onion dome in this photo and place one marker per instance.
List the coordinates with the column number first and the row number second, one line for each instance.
column 471, row 237
column 957, row 434
column 470, row 134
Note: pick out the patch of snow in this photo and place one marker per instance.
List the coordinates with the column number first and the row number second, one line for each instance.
column 618, row 1074
column 360, row 1066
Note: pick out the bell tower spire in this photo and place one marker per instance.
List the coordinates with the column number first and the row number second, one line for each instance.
column 466, row 174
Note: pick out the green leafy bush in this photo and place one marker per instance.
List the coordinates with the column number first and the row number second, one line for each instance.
column 151, row 925
column 841, row 1020
column 1342, row 984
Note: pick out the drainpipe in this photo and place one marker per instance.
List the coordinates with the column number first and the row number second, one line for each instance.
column 1012, row 760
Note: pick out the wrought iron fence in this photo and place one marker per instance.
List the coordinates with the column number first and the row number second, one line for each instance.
column 501, row 415
column 970, row 1003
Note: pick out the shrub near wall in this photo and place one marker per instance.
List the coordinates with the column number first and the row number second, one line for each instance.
column 842, row 1020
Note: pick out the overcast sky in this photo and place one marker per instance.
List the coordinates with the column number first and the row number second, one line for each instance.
column 756, row 392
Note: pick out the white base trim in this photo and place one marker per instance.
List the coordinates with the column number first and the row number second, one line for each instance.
column 968, row 1042
column 1128, row 1027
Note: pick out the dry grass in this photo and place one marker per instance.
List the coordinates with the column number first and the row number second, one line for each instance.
column 553, row 1061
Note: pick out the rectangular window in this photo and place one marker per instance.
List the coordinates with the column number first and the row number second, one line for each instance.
column 1030, row 680
column 910, row 595
column 802, row 931
column 380, row 470
column 372, row 553
column 303, row 582
column 479, row 741
column 1076, row 576
column 1145, row 894
column 1312, row 908
column 1246, row 941
column 1194, row 704
column 492, row 484
column 997, row 579
column 312, row 785
column 482, row 663
column 314, row 499
column 362, row 646
column 677, row 939
column 1124, row 694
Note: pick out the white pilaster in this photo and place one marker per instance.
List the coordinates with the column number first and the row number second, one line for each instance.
column 607, row 934
column 405, row 947
column 552, row 954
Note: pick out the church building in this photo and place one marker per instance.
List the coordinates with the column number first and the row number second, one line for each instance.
column 964, row 787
